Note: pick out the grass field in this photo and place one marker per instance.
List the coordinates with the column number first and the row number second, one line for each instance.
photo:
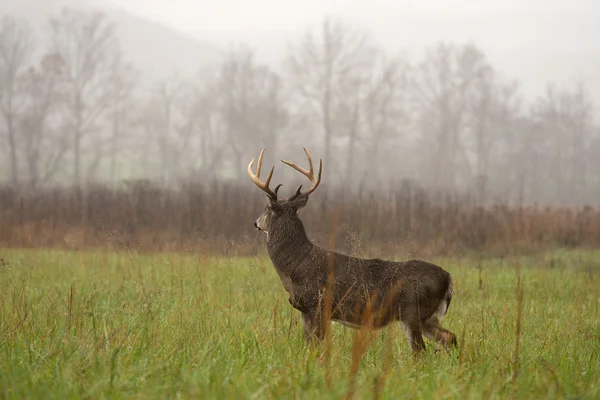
column 128, row 325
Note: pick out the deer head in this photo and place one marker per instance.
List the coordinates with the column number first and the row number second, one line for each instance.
column 277, row 212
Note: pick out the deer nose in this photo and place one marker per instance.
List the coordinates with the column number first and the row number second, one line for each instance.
column 255, row 225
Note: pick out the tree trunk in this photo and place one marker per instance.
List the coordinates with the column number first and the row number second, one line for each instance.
column 14, row 164
column 351, row 144
column 77, row 158
column 114, row 147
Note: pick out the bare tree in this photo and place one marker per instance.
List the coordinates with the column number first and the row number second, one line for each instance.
column 160, row 120
column 250, row 104
column 593, row 161
column 44, row 145
column 202, row 123
column 443, row 88
column 580, row 125
column 349, row 114
column 320, row 66
column 88, row 45
column 271, row 111
column 564, row 117
column 385, row 105
column 121, row 88
column 143, row 132
column 522, row 156
column 493, row 110
column 16, row 44
column 225, row 110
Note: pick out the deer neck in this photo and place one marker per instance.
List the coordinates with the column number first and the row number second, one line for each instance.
column 287, row 245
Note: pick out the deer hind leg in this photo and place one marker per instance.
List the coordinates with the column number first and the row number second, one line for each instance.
column 434, row 331
column 413, row 331
column 414, row 336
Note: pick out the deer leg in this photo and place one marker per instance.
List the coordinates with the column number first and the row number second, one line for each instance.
column 313, row 327
column 414, row 334
column 434, row 331
column 411, row 322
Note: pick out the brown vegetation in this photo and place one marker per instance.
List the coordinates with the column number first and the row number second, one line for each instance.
column 218, row 217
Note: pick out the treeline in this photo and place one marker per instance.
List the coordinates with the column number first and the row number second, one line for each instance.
column 72, row 110
column 218, row 217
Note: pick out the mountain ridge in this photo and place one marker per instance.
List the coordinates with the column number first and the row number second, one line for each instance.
column 157, row 50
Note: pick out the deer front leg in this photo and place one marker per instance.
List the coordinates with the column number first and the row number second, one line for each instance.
column 314, row 329
column 307, row 303
column 311, row 321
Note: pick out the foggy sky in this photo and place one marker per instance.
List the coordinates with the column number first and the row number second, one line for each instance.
column 193, row 110
column 535, row 42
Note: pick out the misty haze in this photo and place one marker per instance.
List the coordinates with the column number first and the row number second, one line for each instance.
column 459, row 132
column 386, row 91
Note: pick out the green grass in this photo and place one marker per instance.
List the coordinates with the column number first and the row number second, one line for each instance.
column 106, row 325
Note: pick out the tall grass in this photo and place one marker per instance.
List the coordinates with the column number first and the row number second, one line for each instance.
column 133, row 325
column 218, row 217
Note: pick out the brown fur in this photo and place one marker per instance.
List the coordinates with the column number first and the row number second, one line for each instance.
column 413, row 292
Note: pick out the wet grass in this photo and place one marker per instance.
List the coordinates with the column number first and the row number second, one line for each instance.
column 128, row 325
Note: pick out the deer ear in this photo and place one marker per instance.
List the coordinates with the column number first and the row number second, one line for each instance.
column 273, row 203
column 299, row 201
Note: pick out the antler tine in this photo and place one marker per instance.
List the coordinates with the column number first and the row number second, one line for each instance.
column 256, row 178
column 310, row 174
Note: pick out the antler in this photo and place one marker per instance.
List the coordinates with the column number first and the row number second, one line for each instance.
column 309, row 174
column 256, row 178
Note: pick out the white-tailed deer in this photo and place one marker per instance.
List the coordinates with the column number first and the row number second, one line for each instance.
column 365, row 291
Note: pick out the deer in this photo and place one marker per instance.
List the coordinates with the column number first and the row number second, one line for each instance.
column 362, row 292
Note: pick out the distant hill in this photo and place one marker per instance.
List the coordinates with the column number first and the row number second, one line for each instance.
column 157, row 50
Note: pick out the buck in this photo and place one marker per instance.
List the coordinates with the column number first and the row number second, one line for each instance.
column 361, row 292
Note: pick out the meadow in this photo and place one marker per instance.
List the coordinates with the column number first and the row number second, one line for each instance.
column 106, row 324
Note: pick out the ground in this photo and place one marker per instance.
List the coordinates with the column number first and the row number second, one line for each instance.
column 128, row 325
